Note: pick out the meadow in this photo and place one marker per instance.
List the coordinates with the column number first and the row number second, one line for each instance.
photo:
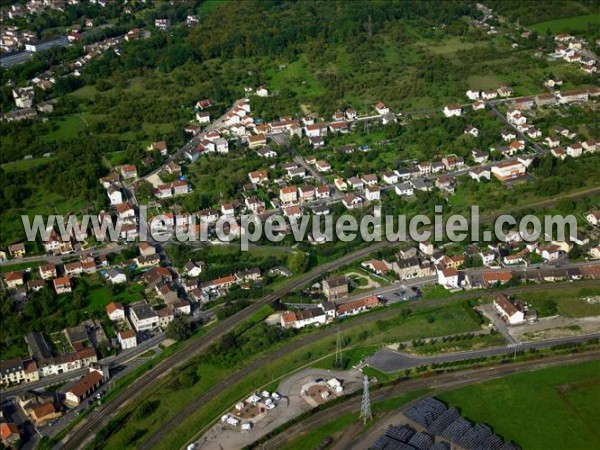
column 550, row 408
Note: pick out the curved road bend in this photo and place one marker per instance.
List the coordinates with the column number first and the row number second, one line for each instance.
column 439, row 383
column 309, row 339
column 95, row 421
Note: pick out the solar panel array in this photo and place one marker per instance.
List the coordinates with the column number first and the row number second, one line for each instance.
column 426, row 411
column 440, row 446
column 438, row 420
column 422, row 441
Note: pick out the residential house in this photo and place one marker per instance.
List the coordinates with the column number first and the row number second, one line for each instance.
column 335, row 286
column 17, row 250
column 127, row 339
column 115, row 311
column 452, row 110
column 62, row 285
column 357, row 306
column 305, row 317
column 593, row 217
column 288, row 195
column 85, row 387
column 322, row 166
column 143, row 317
column 508, row 170
column 116, row 276
column 381, row 109
column 372, row 193
column 44, row 413
column 352, row 201
column 267, row 152
column 160, row 146
column 480, row 157
column 128, row 171
column 340, row 184
column 256, row 141
column 47, row 271
column 449, row 278
column 508, row 311
column 380, row 267
column 322, row 191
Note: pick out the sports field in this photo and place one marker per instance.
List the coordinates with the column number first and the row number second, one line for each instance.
column 556, row 408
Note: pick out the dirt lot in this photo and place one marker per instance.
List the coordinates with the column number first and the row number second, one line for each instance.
column 291, row 405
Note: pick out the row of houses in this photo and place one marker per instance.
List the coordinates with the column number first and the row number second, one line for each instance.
column 326, row 312
column 44, row 362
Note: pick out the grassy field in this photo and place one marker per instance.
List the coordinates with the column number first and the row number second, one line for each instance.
column 570, row 302
column 26, row 164
column 569, row 24
column 550, row 408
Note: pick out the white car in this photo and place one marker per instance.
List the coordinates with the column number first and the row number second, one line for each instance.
column 276, row 396
column 265, row 394
column 270, row 406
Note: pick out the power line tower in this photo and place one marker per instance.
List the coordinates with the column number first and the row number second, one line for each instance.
column 365, row 406
column 338, row 350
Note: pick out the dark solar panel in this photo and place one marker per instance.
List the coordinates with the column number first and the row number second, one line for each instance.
column 442, row 422
column 421, row 441
column 402, row 434
column 440, row 446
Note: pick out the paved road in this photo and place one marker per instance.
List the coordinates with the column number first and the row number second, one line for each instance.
column 439, row 383
column 388, row 360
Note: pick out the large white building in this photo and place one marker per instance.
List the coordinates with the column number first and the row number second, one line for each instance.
column 509, row 312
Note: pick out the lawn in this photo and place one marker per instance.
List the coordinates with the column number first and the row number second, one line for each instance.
column 571, row 302
column 549, row 408
column 100, row 296
column 298, row 77
column 569, row 24
column 21, row 266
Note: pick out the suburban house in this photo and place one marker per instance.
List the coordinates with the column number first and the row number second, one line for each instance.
column 372, row 193
column 256, row 141
column 449, row 278
column 452, row 110
column 128, row 171
column 17, row 250
column 509, row 312
column 378, row 266
column 84, row 387
column 143, row 317
column 258, row 177
column 352, row 201
column 508, row 170
column 593, row 217
column 305, row 317
column 116, row 276
column 381, row 109
column 357, row 306
column 334, row 287
column 62, row 285
column 115, row 311
column 127, row 339
column 160, row 146
column 288, row 195
column 266, row 152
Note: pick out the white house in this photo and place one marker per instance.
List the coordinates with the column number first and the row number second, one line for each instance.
column 261, row 91
column 452, row 110
column 116, row 276
column 593, row 217
column 472, row 95
column 127, row 339
column 115, row 195
column 509, row 312
column 381, row 109
column 115, row 311
column 404, row 189
column 143, row 317
column 449, row 278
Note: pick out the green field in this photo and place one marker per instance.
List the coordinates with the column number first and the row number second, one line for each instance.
column 570, row 302
column 546, row 409
column 569, row 24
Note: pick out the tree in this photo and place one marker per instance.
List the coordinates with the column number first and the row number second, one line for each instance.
column 298, row 262
column 179, row 329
